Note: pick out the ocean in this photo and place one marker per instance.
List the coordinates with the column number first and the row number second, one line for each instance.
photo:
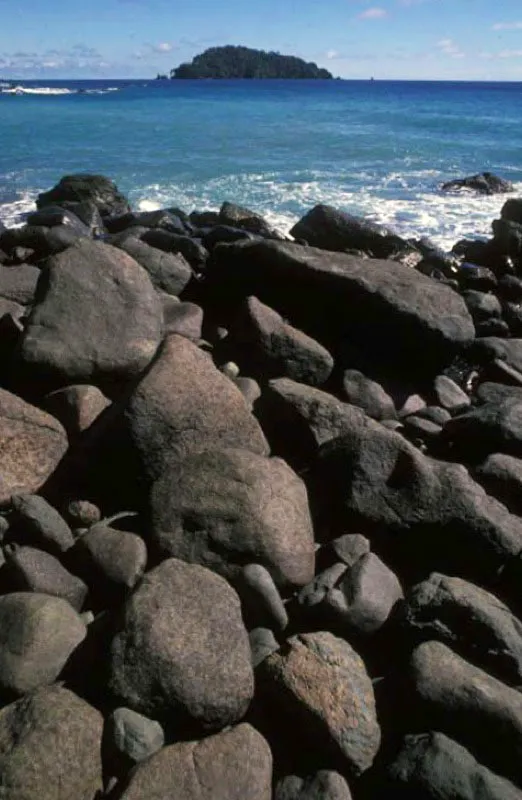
column 375, row 148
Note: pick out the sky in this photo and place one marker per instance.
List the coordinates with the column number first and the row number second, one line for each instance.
column 386, row 39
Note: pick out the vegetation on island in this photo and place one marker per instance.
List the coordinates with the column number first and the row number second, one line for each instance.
column 243, row 62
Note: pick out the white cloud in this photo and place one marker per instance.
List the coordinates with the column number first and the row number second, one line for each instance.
column 510, row 54
column 373, row 13
column 164, row 47
column 450, row 48
column 507, row 26
column 331, row 54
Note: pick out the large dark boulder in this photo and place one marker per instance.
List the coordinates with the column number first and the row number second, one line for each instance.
column 169, row 272
column 329, row 229
column 494, row 427
column 430, row 766
column 184, row 404
column 245, row 219
column 447, row 694
column 97, row 318
column 182, row 648
column 512, row 210
column 148, row 219
column 483, row 183
column 53, row 216
column 396, row 316
column 228, row 508
column 41, row 242
column 50, row 747
column 501, row 476
column 265, row 346
column 169, row 242
column 468, row 619
column 424, row 514
column 233, row 765
column 84, row 188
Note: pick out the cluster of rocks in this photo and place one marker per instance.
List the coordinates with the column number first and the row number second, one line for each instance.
column 260, row 507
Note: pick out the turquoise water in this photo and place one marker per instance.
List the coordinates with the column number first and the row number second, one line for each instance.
column 375, row 148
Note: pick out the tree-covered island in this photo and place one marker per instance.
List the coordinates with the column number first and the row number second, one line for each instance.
column 243, row 62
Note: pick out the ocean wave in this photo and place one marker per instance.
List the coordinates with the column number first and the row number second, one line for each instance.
column 51, row 90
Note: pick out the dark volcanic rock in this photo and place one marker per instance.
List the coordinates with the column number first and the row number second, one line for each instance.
column 50, row 743
column 467, row 704
column 266, row 347
column 32, row 444
column 482, row 306
column 40, row 242
column 423, row 514
column 38, row 634
column 483, row 183
column 97, row 317
column 183, row 648
column 243, row 218
column 162, row 219
column 319, row 682
column 184, row 404
column 191, row 249
column 329, row 229
column 228, row 508
column 508, row 238
column 233, row 765
column 487, row 349
column 512, row 210
column 53, row 216
column 471, row 621
column 491, row 428
column 394, row 315
column 95, row 189
column 168, row 272
column 430, row 766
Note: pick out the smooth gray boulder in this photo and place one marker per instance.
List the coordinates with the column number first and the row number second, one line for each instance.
column 430, row 766
column 233, row 765
column 50, row 747
column 97, row 318
column 225, row 508
column 134, row 735
column 183, row 649
column 38, row 634
column 185, row 404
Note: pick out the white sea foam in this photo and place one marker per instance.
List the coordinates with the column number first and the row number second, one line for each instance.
column 13, row 214
column 51, row 90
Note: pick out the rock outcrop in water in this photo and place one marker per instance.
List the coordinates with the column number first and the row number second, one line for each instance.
column 244, row 62
column 260, row 534
column 483, row 183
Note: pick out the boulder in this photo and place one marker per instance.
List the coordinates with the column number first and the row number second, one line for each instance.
column 55, row 216
column 169, row 272
column 50, row 747
column 32, row 445
column 245, row 219
column 163, row 219
column 28, row 569
column 483, row 183
column 494, row 427
column 93, row 189
column 191, row 249
column 260, row 599
column 183, row 649
column 512, row 210
column 482, row 306
column 360, row 391
column 185, row 319
column 38, row 634
column 97, row 318
column 133, row 735
column 77, row 407
column 507, row 237
column 323, row 785
column 486, row 349
column 337, row 298
column 329, row 229
column 463, row 702
column 226, row 508
column 473, row 622
column 262, row 643
column 233, row 765
column 319, row 682
column 501, row 476
column 267, row 347
column 420, row 514
column 429, row 765
column 36, row 522
column 18, row 284
column 35, row 242
column 185, row 404
column 449, row 394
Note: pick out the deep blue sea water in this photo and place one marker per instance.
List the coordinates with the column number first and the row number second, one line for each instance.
column 377, row 148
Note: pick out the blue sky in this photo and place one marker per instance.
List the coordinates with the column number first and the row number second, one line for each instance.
column 412, row 39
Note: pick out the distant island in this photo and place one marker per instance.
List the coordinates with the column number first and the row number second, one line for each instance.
column 243, row 62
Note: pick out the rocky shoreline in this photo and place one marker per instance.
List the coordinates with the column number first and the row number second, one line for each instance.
column 260, row 506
